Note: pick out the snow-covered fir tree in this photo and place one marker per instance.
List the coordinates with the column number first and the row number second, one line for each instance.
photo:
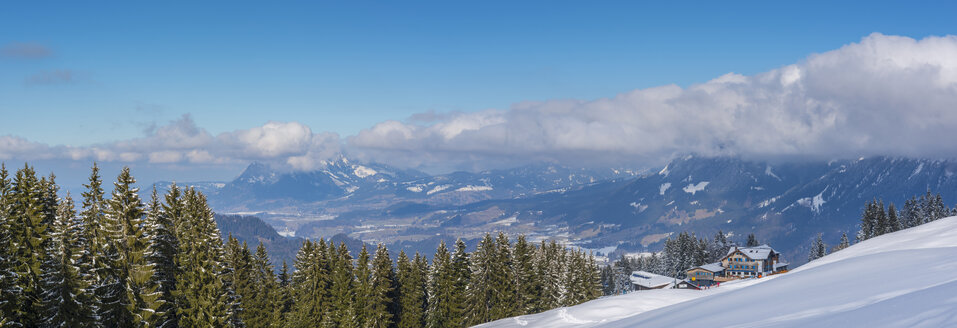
column 752, row 241
column 441, row 283
column 9, row 288
column 203, row 297
column 527, row 284
column 163, row 247
column 844, row 243
column 66, row 296
column 818, row 249
column 342, row 292
column 123, row 263
column 380, row 312
column 128, row 229
column 29, row 230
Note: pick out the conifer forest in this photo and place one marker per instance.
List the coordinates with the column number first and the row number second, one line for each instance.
column 110, row 258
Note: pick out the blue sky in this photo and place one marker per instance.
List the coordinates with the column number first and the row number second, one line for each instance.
column 344, row 66
column 78, row 74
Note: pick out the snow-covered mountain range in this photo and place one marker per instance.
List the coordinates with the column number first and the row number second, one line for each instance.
column 784, row 204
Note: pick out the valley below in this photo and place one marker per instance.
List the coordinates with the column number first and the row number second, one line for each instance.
column 612, row 212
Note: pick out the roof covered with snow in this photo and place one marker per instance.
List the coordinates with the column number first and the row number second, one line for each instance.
column 713, row 267
column 650, row 280
column 755, row 253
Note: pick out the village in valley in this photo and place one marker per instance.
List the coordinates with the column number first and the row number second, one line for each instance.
column 739, row 263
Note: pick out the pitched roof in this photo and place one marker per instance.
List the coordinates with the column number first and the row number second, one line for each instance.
column 755, row 253
column 650, row 280
column 712, row 267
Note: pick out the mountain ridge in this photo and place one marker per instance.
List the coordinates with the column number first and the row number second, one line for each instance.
column 786, row 204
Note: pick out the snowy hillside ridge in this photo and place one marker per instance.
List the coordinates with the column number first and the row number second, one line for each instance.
column 902, row 279
column 936, row 234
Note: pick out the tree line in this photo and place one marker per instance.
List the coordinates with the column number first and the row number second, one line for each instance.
column 877, row 220
column 118, row 261
column 499, row 279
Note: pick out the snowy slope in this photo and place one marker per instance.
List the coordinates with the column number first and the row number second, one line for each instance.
column 904, row 279
column 610, row 309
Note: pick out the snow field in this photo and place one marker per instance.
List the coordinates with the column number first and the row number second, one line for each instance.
column 902, row 279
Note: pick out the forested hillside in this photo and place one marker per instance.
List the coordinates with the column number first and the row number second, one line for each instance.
column 121, row 261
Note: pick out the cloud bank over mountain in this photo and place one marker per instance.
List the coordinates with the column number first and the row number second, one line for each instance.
column 884, row 95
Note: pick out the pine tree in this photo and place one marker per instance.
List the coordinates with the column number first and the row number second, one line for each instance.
column 111, row 290
column 868, row 221
column 927, row 208
column 322, row 272
column 701, row 253
column 97, row 261
column 481, row 288
column 910, row 216
column 312, row 281
column 574, row 282
column 285, row 290
column 718, row 248
column 549, row 267
column 420, row 267
column 441, row 290
column 684, row 252
column 30, row 237
column 881, row 222
column 620, row 271
column 162, row 253
column 752, row 240
column 379, row 309
column 893, row 223
column 66, row 299
column 128, row 224
column 594, row 279
column 843, row 244
column 818, row 249
column 240, row 277
column 527, row 286
column 504, row 296
column 10, row 291
column 304, row 281
column 607, row 280
column 411, row 294
column 363, row 287
column 264, row 307
column 462, row 275
column 940, row 210
column 342, row 289
column 203, row 297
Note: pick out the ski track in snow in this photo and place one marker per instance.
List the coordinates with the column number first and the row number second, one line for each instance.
column 565, row 317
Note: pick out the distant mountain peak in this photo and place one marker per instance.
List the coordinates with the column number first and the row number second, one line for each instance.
column 258, row 173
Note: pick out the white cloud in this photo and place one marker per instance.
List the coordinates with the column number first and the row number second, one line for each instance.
column 884, row 95
column 166, row 156
column 271, row 140
column 285, row 144
column 17, row 147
